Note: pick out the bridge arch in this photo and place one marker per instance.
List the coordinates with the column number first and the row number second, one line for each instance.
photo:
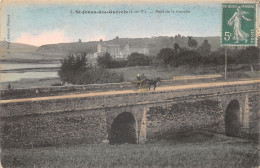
column 123, row 129
column 232, row 121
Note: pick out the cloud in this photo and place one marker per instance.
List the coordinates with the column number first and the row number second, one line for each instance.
column 45, row 37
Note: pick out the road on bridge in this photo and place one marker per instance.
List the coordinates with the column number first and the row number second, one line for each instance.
column 163, row 88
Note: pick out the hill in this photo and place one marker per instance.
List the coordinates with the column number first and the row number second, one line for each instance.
column 154, row 44
column 54, row 52
column 89, row 47
column 22, row 53
column 4, row 45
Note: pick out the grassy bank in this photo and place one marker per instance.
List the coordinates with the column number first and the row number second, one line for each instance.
column 192, row 150
column 32, row 82
column 170, row 72
column 149, row 71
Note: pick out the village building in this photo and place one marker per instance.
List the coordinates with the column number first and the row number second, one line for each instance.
column 118, row 51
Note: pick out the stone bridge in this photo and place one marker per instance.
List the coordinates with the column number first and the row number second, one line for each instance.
column 127, row 116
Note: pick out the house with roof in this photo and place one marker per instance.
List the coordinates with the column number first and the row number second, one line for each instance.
column 118, row 51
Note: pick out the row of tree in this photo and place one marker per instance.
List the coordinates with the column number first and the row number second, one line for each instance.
column 192, row 56
column 134, row 59
column 76, row 69
column 200, row 56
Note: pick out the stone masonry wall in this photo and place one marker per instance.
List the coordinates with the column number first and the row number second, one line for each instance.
column 166, row 120
column 254, row 116
column 53, row 129
column 83, row 120
column 101, row 101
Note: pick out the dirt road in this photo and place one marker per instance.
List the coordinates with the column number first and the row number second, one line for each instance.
column 163, row 88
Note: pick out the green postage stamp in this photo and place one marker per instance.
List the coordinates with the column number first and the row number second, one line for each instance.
column 238, row 24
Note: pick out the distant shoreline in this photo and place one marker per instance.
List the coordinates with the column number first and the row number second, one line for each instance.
column 31, row 82
column 29, row 61
column 23, row 70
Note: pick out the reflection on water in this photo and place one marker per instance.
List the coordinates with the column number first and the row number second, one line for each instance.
column 22, row 66
column 14, row 76
column 8, row 77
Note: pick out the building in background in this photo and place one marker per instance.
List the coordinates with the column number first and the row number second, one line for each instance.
column 118, row 51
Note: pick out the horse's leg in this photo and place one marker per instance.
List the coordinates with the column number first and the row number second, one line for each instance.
column 154, row 86
column 149, row 86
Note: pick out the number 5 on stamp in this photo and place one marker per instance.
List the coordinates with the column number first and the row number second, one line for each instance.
column 238, row 24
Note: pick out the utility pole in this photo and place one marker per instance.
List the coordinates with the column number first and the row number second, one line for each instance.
column 226, row 63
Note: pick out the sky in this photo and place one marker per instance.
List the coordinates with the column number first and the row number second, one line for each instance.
column 48, row 24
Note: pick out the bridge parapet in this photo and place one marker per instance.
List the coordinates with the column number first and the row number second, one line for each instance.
column 122, row 98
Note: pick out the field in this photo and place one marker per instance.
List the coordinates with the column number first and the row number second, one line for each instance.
column 197, row 149
column 149, row 71
column 237, row 72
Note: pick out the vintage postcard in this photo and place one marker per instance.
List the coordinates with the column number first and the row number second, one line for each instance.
column 129, row 84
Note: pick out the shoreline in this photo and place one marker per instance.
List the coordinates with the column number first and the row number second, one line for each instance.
column 31, row 82
column 23, row 70
column 29, row 61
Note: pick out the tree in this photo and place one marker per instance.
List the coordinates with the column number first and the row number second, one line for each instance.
column 167, row 55
column 192, row 43
column 137, row 59
column 177, row 48
column 75, row 69
column 104, row 60
column 189, row 57
column 205, row 48
column 72, row 67
column 248, row 55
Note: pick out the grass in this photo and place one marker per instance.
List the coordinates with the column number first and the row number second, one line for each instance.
column 32, row 82
column 171, row 72
column 149, row 71
column 130, row 73
column 190, row 150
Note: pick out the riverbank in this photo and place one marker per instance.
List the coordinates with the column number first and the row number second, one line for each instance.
column 193, row 149
column 33, row 76
column 31, row 82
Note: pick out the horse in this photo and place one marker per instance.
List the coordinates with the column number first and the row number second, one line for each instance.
column 153, row 82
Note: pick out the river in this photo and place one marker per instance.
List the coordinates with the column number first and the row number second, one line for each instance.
column 18, row 71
